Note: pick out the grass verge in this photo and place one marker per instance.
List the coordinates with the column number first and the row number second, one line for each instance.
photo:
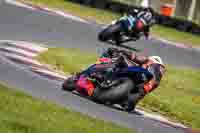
column 178, row 96
column 105, row 17
column 23, row 114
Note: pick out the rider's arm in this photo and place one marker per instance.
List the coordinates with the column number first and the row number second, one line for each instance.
column 135, row 58
column 139, row 59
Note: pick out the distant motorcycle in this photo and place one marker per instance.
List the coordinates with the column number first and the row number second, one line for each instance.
column 113, row 79
column 120, row 30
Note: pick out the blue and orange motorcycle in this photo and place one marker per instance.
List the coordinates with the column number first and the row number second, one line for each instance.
column 112, row 79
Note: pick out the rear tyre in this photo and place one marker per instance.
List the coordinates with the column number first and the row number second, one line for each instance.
column 115, row 94
column 109, row 33
column 69, row 85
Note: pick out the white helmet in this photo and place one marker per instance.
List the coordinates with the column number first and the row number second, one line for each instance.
column 145, row 3
column 156, row 59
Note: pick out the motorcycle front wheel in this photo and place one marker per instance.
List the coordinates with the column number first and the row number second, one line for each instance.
column 69, row 84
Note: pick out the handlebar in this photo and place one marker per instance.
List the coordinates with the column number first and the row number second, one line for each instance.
column 122, row 57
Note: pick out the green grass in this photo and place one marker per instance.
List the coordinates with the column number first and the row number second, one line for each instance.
column 175, row 36
column 105, row 17
column 178, row 96
column 20, row 113
column 70, row 60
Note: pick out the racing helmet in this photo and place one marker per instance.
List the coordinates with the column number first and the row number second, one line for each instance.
column 157, row 59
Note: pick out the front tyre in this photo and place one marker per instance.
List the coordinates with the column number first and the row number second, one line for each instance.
column 116, row 93
column 69, row 84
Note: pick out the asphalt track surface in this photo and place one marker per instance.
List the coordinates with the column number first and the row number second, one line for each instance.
column 22, row 24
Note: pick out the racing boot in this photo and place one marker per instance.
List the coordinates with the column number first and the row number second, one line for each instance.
column 134, row 98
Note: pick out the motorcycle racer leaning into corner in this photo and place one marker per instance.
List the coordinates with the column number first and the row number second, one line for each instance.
column 153, row 64
column 131, row 27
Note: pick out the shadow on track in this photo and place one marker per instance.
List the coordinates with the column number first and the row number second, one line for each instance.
column 106, row 105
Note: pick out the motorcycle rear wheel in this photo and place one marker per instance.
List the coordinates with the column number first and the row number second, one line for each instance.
column 116, row 94
column 111, row 32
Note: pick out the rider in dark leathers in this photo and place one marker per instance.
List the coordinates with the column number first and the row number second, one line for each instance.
column 153, row 64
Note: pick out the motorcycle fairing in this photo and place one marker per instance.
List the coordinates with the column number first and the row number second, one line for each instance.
column 85, row 85
column 129, row 22
column 93, row 67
